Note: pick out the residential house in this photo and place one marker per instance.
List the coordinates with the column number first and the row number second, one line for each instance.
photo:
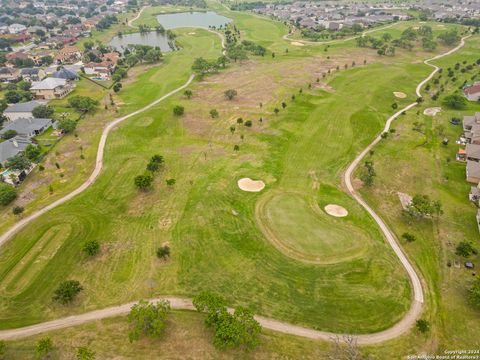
column 473, row 171
column 51, row 88
column 102, row 70
column 12, row 147
column 27, row 127
column 111, row 57
column 473, row 92
column 17, row 28
column 68, row 55
column 32, row 74
column 37, row 55
column 21, row 110
column 66, row 74
column 473, row 152
column 8, row 74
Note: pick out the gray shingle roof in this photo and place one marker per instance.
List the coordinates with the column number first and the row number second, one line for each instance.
column 26, row 126
column 23, row 107
column 473, row 169
column 12, row 147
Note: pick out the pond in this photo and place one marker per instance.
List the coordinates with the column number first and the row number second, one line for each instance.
column 151, row 38
column 192, row 19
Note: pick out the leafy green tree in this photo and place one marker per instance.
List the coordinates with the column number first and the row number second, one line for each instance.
column 32, row 152
column 455, row 101
column 67, row 125
column 43, row 111
column 7, row 194
column 44, row 347
column 188, row 93
column 18, row 162
column 143, row 182
column 117, row 87
column 163, row 252
column 422, row 206
column 82, row 103
column 67, row 291
column 170, row 182
column 276, row 111
column 408, row 237
column 474, row 292
column 84, row 353
column 17, row 210
column 214, row 113
column 422, row 325
column 367, row 176
column 465, row 249
column 230, row 94
column 449, row 37
column 178, row 110
column 91, row 247
column 9, row 134
column 357, row 28
column 248, row 123
column 148, row 319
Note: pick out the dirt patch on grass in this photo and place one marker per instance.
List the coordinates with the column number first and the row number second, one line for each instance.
column 405, row 199
column 336, row 210
column 432, row 111
column 296, row 43
column 249, row 185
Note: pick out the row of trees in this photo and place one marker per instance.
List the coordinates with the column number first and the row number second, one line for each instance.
column 144, row 181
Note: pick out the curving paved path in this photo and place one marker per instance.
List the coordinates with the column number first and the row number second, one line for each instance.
column 130, row 22
column 186, row 304
column 98, row 167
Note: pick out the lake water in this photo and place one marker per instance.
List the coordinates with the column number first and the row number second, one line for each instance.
column 192, row 19
column 151, row 38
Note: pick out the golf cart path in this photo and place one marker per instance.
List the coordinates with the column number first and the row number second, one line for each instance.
column 130, row 22
column 179, row 303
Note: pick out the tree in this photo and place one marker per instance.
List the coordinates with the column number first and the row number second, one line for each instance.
column 163, row 252
column 32, row 152
column 449, row 37
column 474, row 292
column 178, row 110
column 248, row 123
column 84, row 353
column 357, row 28
column 284, row 105
column 408, row 237
column 170, row 182
column 188, row 94
column 421, row 206
column 230, row 94
column 9, row 134
column 214, row 113
column 455, row 101
column 67, row 291
column 18, row 162
column 91, row 247
column 42, row 111
column 44, row 347
column 117, row 87
column 17, row 210
column 148, row 319
column 82, row 104
column 67, row 126
column 230, row 330
column 368, row 175
column 143, row 182
column 465, row 249
column 13, row 96
column 276, row 111
column 386, row 37
column 422, row 325
column 7, row 194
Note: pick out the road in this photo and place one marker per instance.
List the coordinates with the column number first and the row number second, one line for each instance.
column 398, row 329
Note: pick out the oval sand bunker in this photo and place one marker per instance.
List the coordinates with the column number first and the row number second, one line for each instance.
column 247, row 184
column 336, row 210
column 296, row 43
column 399, row 94
column 432, row 111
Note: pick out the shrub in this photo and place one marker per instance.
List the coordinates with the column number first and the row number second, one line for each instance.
column 143, row 182
column 163, row 252
column 148, row 319
column 178, row 110
column 408, row 237
column 91, row 247
column 67, row 291
column 7, row 194
column 17, row 210
column 422, row 325
column 465, row 249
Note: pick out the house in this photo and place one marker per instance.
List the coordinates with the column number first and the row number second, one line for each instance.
column 474, row 195
column 27, row 127
column 68, row 54
column 472, row 92
column 473, row 171
column 66, row 74
column 21, row 110
column 32, row 74
column 51, row 88
column 473, row 152
column 12, row 147
column 16, row 28
column 8, row 74
column 111, row 57
column 102, row 70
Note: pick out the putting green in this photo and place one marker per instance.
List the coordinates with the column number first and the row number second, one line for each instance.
column 300, row 229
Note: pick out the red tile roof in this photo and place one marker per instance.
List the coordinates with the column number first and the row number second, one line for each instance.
column 472, row 89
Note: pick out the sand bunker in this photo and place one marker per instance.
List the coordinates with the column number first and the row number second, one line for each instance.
column 296, row 43
column 191, row 33
column 432, row 111
column 399, row 94
column 247, row 184
column 336, row 210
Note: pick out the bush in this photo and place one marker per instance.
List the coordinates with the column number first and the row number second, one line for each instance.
column 7, row 194
column 465, row 249
column 67, row 291
column 9, row 134
column 455, row 101
column 17, row 210
column 408, row 237
column 248, row 123
column 178, row 110
column 422, row 325
column 163, row 252
column 91, row 247
column 44, row 347
column 214, row 113
column 143, row 182
column 148, row 319
column 42, row 111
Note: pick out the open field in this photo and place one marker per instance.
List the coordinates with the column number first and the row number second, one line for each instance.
column 357, row 285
